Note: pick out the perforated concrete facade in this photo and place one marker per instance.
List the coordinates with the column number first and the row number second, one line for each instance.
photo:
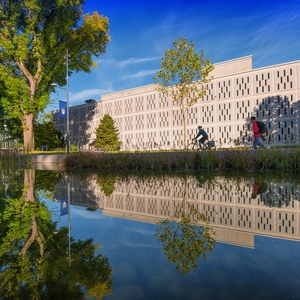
column 148, row 120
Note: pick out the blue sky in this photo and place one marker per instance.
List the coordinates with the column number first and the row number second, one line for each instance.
column 142, row 30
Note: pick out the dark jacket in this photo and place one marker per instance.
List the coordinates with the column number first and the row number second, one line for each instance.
column 203, row 133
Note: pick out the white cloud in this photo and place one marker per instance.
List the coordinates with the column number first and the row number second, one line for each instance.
column 89, row 94
column 140, row 74
column 125, row 62
column 131, row 61
column 105, row 61
column 83, row 212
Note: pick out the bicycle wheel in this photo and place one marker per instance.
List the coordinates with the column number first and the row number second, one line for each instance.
column 193, row 147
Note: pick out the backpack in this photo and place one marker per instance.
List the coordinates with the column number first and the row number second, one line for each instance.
column 262, row 127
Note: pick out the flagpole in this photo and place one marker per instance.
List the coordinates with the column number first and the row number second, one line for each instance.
column 69, row 221
column 67, row 61
column 67, row 98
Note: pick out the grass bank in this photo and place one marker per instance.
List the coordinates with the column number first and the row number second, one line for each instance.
column 9, row 159
column 257, row 161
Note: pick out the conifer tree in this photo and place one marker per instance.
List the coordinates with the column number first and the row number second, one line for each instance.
column 107, row 134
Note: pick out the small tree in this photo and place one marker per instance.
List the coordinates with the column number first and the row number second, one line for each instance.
column 107, row 134
column 182, row 76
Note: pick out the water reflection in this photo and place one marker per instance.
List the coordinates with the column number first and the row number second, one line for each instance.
column 227, row 202
column 184, row 241
column 34, row 252
column 148, row 267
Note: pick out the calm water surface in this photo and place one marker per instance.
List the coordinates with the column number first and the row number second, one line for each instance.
column 151, row 243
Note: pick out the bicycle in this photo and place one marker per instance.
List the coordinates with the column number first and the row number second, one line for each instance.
column 196, row 146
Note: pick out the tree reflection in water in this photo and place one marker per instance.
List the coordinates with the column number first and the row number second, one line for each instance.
column 107, row 182
column 34, row 254
column 184, row 241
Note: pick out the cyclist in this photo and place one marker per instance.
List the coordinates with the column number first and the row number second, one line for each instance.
column 204, row 135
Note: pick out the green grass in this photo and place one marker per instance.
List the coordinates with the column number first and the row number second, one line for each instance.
column 259, row 161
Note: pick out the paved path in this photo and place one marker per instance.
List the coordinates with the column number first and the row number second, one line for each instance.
column 47, row 161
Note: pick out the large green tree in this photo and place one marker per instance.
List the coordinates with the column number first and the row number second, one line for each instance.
column 183, row 76
column 107, row 134
column 35, row 36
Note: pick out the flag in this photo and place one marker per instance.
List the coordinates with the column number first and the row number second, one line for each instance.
column 64, row 207
column 62, row 109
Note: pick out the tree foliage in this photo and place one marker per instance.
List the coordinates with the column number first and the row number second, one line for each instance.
column 10, row 127
column 183, row 76
column 107, row 134
column 34, row 38
column 46, row 133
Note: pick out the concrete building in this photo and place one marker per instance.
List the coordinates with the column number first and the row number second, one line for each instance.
column 148, row 120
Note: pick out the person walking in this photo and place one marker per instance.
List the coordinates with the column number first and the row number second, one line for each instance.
column 204, row 135
column 257, row 140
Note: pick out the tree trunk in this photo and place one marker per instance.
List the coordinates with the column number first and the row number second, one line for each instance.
column 183, row 113
column 28, row 134
column 28, row 195
column 29, row 180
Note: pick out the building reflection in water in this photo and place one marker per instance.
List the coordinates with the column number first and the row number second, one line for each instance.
column 234, row 208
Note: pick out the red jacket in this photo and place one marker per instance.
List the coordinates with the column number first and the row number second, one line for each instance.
column 255, row 129
column 256, row 186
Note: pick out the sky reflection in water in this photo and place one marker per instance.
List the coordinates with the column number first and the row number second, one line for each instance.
column 141, row 270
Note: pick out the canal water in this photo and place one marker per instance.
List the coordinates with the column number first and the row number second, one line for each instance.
column 149, row 236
